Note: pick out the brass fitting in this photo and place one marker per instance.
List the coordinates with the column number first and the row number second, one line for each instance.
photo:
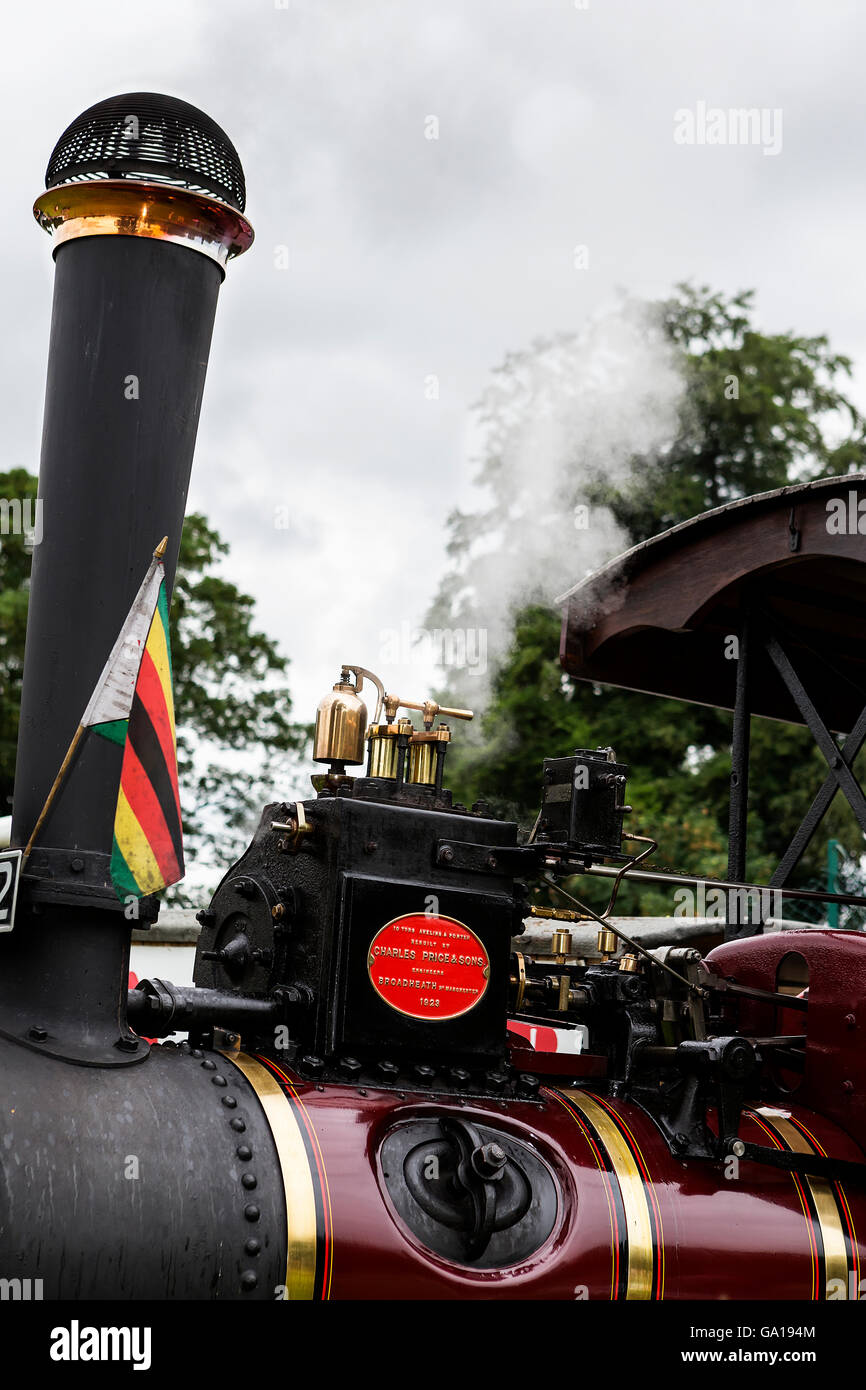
column 558, row 914
column 560, row 945
column 607, row 942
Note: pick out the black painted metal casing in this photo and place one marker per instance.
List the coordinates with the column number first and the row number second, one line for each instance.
column 129, row 1183
column 366, row 863
column 582, row 803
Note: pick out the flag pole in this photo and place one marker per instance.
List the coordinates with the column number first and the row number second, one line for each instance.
column 55, row 787
column 158, row 554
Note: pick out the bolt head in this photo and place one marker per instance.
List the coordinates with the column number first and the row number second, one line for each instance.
column 489, row 1160
column 738, row 1148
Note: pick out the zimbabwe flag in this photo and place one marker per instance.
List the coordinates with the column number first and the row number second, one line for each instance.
column 132, row 705
column 147, row 851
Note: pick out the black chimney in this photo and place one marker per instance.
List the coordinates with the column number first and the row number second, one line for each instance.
column 145, row 196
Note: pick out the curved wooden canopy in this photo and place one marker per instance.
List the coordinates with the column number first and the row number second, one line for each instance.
column 659, row 617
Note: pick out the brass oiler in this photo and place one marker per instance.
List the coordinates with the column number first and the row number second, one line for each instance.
column 607, row 942
column 384, row 749
column 341, row 732
column 560, row 945
column 422, row 754
column 341, row 719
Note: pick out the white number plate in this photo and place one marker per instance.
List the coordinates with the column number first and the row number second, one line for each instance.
column 10, row 869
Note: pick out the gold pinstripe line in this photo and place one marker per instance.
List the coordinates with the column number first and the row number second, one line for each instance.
column 832, row 1234
column 301, row 1227
column 634, row 1196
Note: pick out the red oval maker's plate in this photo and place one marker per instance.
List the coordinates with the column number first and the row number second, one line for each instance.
column 428, row 967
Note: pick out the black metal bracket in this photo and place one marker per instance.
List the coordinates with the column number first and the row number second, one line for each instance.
column 816, row 1165
column 762, row 628
column 508, row 860
column 738, row 806
column 512, row 861
column 839, row 761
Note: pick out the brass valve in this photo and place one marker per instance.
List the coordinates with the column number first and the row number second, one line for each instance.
column 428, row 708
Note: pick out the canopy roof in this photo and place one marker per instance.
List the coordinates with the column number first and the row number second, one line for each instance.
column 658, row 618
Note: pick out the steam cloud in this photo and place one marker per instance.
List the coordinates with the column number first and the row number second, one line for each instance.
column 570, row 412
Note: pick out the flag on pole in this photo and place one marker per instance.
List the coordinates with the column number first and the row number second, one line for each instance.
column 133, row 706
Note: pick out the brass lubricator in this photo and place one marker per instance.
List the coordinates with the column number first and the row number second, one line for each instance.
column 426, row 747
column 423, row 748
column 608, row 942
column 341, row 719
column 383, row 741
column 341, row 732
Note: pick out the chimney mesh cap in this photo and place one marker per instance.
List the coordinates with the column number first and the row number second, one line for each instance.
column 155, row 138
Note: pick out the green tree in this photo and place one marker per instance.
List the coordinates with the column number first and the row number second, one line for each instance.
column 237, row 745
column 752, row 412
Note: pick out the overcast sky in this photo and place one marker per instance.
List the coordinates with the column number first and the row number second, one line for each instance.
column 413, row 257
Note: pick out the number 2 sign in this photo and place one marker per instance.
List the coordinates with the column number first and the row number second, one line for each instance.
column 10, row 869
